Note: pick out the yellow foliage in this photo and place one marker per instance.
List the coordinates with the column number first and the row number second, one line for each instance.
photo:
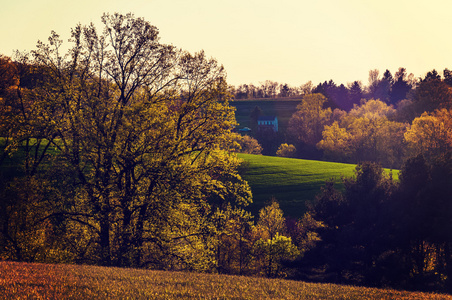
column 335, row 142
column 372, row 109
column 365, row 134
column 286, row 150
column 431, row 133
column 307, row 123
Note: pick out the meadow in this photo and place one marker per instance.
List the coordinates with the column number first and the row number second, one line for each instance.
column 293, row 182
column 50, row 281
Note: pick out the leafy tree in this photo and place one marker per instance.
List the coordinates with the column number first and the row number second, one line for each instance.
column 333, row 93
column 286, row 150
column 372, row 109
column 234, row 247
column 356, row 231
column 307, row 123
column 271, row 247
column 447, row 76
column 271, row 220
column 365, row 134
column 377, row 140
column 383, row 89
column 284, row 90
column 275, row 251
column 431, row 75
column 336, row 143
column 388, row 76
column 406, row 111
column 306, row 88
column 355, row 92
column 374, row 81
column 342, row 97
column 431, row 134
column 374, row 78
column 143, row 128
column 248, row 145
column 411, row 199
column 431, row 94
column 305, row 232
column 422, row 214
column 401, row 86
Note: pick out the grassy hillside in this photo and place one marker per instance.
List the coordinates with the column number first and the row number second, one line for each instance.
column 46, row 281
column 291, row 181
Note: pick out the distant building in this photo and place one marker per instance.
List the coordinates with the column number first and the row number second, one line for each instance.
column 267, row 122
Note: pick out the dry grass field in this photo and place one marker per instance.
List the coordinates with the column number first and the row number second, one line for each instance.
column 47, row 281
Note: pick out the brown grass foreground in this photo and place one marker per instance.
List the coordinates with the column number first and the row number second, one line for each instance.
column 47, row 281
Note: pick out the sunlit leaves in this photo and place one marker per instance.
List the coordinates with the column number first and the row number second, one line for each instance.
column 142, row 129
column 307, row 123
column 431, row 133
column 365, row 133
column 286, row 150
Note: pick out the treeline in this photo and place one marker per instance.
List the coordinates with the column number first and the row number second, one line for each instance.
column 390, row 122
column 270, row 89
column 386, row 87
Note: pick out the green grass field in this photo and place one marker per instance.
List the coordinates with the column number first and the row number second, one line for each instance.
column 47, row 281
column 291, row 181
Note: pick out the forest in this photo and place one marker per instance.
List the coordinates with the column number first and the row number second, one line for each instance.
column 121, row 151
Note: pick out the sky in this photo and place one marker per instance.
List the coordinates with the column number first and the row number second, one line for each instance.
column 287, row 41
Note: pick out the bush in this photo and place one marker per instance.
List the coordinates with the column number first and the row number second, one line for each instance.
column 286, row 150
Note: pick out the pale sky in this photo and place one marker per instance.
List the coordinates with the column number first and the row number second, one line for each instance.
column 288, row 41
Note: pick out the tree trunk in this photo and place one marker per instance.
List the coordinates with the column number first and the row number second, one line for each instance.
column 105, row 241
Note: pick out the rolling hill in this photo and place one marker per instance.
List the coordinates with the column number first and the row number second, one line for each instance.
column 291, row 181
